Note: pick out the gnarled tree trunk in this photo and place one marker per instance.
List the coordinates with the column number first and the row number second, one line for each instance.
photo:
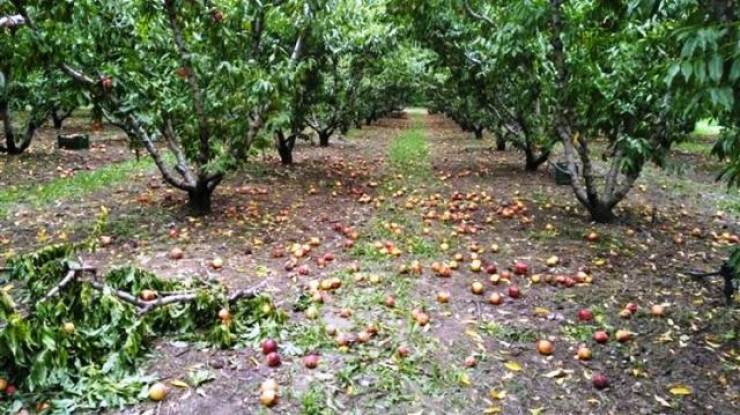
column 12, row 146
column 199, row 199
column 285, row 146
column 324, row 138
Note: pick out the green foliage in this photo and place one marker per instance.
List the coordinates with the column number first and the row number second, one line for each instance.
column 94, row 365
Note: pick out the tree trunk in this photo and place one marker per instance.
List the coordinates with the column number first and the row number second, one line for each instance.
column 533, row 162
column 57, row 121
column 11, row 147
column 478, row 132
column 601, row 213
column 199, row 200
column 58, row 117
column 324, row 138
column 500, row 143
column 285, row 147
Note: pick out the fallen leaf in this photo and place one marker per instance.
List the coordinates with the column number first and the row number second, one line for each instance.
column 556, row 373
column 680, row 390
column 513, row 366
column 497, row 395
column 179, row 383
column 663, row 402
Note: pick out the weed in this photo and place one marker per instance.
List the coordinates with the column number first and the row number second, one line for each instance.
column 314, row 401
column 509, row 334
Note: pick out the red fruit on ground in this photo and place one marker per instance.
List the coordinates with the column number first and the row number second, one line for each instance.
column 599, row 381
column 269, row 346
column 585, row 315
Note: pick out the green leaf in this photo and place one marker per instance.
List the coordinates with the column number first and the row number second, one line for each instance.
column 715, row 67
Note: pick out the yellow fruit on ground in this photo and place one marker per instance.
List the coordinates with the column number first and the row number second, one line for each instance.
column 158, row 392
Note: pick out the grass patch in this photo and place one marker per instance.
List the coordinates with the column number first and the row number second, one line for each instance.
column 409, row 153
column 695, row 147
column 707, row 128
column 79, row 185
column 509, row 334
column 315, row 401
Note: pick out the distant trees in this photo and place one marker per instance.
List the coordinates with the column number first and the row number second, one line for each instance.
column 198, row 85
column 585, row 74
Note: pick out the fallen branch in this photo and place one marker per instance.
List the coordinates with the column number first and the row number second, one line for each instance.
column 143, row 307
column 71, row 276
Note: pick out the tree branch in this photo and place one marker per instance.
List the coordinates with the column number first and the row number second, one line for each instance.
column 478, row 16
column 192, row 78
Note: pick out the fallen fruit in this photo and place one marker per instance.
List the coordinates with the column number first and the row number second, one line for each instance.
column 224, row 314
column 311, row 361
column 491, row 269
column 584, row 353
column 176, row 253
column 623, row 336
column 269, row 385
column 217, row 263
column 552, row 261
column 273, row 359
column 657, row 310
column 514, row 291
column 312, row 313
column 422, row 318
column 592, row 237
column 585, row 315
column 601, row 337
column 632, row 307
column 363, row 337
column 443, row 297
column 403, row 351
column 390, row 301
column 476, row 265
column 158, row 392
column 269, row 346
column 470, row 361
column 148, row 295
column 545, row 347
column 495, row 299
column 268, row 398
column 600, row 381
column 520, row 268
column 477, row 288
